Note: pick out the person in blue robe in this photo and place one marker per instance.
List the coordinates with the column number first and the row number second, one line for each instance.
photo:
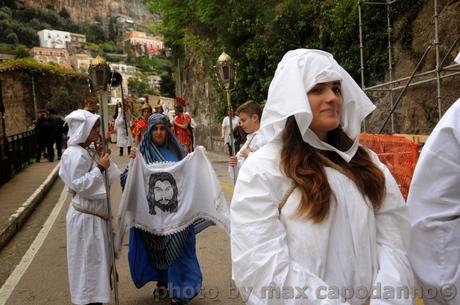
column 170, row 260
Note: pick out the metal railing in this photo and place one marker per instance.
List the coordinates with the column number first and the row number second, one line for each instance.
column 16, row 153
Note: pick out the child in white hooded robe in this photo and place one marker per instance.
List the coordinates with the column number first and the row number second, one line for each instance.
column 82, row 170
column 281, row 257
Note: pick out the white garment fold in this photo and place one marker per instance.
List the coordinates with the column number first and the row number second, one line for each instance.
column 254, row 141
column 434, row 206
column 194, row 184
column 353, row 247
column 88, row 253
column 124, row 136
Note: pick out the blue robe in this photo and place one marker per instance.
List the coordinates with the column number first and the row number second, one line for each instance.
column 183, row 276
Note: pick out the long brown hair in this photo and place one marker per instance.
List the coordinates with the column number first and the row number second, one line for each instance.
column 305, row 164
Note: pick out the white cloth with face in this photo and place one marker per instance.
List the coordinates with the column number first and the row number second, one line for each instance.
column 298, row 72
column 166, row 197
column 434, row 206
column 279, row 259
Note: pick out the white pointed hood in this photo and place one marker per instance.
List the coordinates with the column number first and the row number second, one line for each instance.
column 297, row 73
column 80, row 123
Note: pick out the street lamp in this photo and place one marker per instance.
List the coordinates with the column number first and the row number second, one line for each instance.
column 99, row 77
column 226, row 70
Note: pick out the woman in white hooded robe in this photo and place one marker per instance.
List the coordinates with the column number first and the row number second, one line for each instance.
column 294, row 243
column 82, row 170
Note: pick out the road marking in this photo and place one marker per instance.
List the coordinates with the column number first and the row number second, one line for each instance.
column 27, row 259
column 226, row 186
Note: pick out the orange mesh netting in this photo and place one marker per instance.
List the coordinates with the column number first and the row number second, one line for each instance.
column 397, row 153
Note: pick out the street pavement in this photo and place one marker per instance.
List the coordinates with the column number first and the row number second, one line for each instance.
column 41, row 276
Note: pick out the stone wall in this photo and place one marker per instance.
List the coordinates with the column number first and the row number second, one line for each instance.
column 18, row 97
column 203, row 99
column 18, row 102
column 417, row 113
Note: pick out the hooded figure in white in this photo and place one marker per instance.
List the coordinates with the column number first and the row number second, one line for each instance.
column 88, row 254
column 281, row 259
column 122, row 125
column 434, row 209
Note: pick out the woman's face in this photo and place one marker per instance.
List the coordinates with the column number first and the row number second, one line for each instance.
column 159, row 134
column 326, row 103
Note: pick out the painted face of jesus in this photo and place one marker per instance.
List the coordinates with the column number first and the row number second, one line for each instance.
column 163, row 191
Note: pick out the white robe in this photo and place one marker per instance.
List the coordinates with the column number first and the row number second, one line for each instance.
column 353, row 247
column 226, row 127
column 434, row 206
column 254, row 141
column 123, row 139
column 88, row 255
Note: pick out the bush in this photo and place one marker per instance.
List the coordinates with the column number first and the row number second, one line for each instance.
column 12, row 38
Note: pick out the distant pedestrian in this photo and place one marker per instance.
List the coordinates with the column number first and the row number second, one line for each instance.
column 122, row 125
column 181, row 124
column 225, row 130
column 139, row 126
column 82, row 170
column 90, row 104
column 44, row 130
column 57, row 124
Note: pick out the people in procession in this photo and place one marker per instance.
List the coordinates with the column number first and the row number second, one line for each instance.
column 225, row 130
column 434, row 209
column 249, row 113
column 90, row 104
column 312, row 210
column 159, row 107
column 140, row 126
column 58, row 132
column 170, row 260
column 181, row 124
column 44, row 130
column 123, row 127
column 84, row 168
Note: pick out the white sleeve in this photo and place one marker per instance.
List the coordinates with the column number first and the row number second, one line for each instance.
column 392, row 223
column 225, row 122
column 434, row 206
column 262, row 268
column 257, row 142
column 113, row 172
column 78, row 176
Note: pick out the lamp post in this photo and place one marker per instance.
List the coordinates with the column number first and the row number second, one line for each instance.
column 225, row 68
column 99, row 77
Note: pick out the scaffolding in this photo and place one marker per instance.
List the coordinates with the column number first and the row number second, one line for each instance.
column 393, row 85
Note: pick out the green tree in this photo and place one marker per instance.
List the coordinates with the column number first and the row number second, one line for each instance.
column 167, row 85
column 257, row 33
column 64, row 13
column 138, row 86
column 12, row 38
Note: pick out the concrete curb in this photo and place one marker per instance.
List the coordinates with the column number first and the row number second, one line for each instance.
column 19, row 217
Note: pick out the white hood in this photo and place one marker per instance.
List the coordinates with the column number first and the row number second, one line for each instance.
column 298, row 72
column 80, row 123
